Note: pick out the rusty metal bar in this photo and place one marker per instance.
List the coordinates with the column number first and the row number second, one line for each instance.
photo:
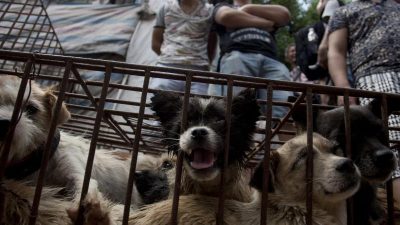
column 228, row 108
column 389, row 183
column 132, row 126
column 46, row 153
column 106, row 116
column 13, row 123
column 267, row 151
column 92, row 150
column 347, row 126
column 179, row 162
column 15, row 117
column 246, row 81
column 135, row 151
column 310, row 165
column 277, row 129
column 118, row 130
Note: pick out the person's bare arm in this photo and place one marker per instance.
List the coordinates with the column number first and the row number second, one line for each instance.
column 320, row 6
column 233, row 18
column 323, row 50
column 157, row 39
column 278, row 14
column 337, row 50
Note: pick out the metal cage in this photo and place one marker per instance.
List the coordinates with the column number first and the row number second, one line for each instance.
column 31, row 50
column 133, row 128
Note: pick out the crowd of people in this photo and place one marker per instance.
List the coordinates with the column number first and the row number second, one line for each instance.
column 359, row 48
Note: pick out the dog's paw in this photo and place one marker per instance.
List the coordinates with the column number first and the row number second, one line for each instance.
column 95, row 211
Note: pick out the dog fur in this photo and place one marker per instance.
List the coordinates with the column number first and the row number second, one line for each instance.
column 18, row 196
column 374, row 159
column 53, row 208
column 337, row 179
column 66, row 167
column 202, row 143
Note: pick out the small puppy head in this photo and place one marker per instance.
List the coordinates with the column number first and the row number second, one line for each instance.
column 202, row 143
column 155, row 181
column 374, row 159
column 335, row 178
column 32, row 128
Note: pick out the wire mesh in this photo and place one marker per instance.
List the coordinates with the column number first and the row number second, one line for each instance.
column 25, row 26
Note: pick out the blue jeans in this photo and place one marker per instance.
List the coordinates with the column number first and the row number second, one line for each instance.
column 178, row 85
column 258, row 65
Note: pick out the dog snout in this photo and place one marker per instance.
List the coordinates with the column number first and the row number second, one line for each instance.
column 199, row 133
column 384, row 157
column 4, row 126
column 346, row 166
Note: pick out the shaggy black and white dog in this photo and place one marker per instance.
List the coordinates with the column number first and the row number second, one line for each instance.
column 202, row 143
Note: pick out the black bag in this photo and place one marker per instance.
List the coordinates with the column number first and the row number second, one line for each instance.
column 307, row 42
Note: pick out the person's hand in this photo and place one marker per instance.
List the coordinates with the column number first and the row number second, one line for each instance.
column 323, row 56
column 352, row 100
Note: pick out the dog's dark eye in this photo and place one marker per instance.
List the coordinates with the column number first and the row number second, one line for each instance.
column 300, row 158
column 166, row 165
column 31, row 109
column 220, row 122
column 336, row 149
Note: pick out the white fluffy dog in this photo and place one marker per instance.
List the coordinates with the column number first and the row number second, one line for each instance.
column 67, row 164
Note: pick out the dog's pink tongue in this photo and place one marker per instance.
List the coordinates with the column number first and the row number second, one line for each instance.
column 202, row 159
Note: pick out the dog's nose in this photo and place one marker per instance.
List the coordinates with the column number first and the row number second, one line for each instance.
column 4, row 126
column 199, row 133
column 346, row 166
column 384, row 157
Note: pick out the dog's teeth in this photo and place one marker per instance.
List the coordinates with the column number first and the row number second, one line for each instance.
column 202, row 159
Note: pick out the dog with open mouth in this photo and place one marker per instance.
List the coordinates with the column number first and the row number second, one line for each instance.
column 202, row 143
column 373, row 157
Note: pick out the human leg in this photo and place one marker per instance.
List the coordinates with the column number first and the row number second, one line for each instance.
column 274, row 70
column 178, row 85
column 238, row 63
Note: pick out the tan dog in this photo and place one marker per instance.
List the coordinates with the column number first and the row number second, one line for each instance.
column 67, row 165
column 335, row 179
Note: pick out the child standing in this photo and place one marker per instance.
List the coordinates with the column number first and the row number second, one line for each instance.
column 182, row 39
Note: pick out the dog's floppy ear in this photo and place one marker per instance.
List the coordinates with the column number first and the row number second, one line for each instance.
column 299, row 115
column 257, row 178
column 166, row 105
column 245, row 108
column 375, row 106
column 50, row 102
